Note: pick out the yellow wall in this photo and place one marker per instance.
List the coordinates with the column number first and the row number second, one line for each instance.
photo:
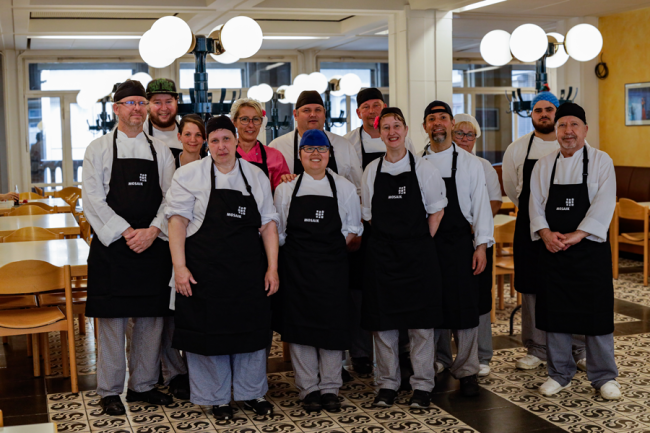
column 626, row 51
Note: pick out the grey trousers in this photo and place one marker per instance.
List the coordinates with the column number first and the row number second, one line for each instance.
column 213, row 377
column 361, row 344
column 601, row 364
column 485, row 339
column 422, row 352
column 144, row 354
column 316, row 369
column 466, row 362
column 172, row 362
column 443, row 347
column 535, row 339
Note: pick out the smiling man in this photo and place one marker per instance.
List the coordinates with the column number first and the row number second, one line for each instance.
column 163, row 108
column 573, row 196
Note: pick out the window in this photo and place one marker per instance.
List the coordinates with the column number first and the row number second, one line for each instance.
column 238, row 75
column 75, row 76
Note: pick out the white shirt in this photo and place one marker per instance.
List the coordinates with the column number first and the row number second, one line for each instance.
column 472, row 191
column 170, row 138
column 601, row 183
column 348, row 201
column 513, row 162
column 371, row 145
column 347, row 163
column 97, row 168
column 432, row 187
column 491, row 180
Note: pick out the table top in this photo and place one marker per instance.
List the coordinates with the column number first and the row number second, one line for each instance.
column 500, row 220
column 60, row 252
column 506, row 203
column 63, row 207
column 58, row 222
column 50, row 427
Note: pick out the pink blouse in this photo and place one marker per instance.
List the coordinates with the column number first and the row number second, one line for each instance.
column 274, row 160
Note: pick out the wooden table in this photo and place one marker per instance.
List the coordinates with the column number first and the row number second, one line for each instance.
column 507, row 203
column 58, row 223
column 61, row 252
column 61, row 205
column 500, row 220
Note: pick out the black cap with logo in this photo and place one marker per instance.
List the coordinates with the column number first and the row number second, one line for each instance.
column 161, row 86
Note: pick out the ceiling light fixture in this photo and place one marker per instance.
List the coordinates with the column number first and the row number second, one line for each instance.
column 294, row 38
column 84, row 37
column 477, row 5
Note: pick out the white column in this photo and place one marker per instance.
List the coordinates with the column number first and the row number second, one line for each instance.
column 420, row 64
column 16, row 136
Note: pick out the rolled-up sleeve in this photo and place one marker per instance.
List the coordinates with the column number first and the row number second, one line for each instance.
column 433, row 187
column 509, row 174
column 352, row 223
column 537, row 204
column 107, row 224
column 367, row 190
column 179, row 200
column 282, row 203
column 356, row 173
column 599, row 216
column 483, row 222
column 166, row 171
column 264, row 199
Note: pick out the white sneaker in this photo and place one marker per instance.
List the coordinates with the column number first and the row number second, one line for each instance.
column 582, row 364
column 439, row 367
column 529, row 362
column 551, row 387
column 484, row 370
column 611, row 390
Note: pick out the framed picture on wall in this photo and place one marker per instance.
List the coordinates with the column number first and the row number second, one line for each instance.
column 488, row 118
column 637, row 104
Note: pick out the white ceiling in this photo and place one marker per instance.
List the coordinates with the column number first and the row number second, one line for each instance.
column 348, row 24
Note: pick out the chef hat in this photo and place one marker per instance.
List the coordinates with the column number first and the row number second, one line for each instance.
column 220, row 122
column 468, row 118
column 570, row 109
column 314, row 137
column 129, row 88
column 369, row 94
column 545, row 96
column 309, row 97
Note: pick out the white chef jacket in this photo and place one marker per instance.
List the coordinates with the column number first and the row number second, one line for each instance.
column 513, row 162
column 347, row 163
column 97, row 168
column 432, row 187
column 371, row 145
column 169, row 137
column 491, row 180
column 472, row 191
column 348, row 201
column 601, row 183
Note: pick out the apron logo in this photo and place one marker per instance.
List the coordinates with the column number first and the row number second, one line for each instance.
column 241, row 210
column 143, row 179
column 570, row 202
column 320, row 214
column 400, row 192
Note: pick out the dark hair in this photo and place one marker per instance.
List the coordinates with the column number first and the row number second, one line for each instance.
column 196, row 120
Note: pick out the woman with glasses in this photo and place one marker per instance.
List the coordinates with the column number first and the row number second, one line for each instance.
column 191, row 134
column 320, row 215
column 248, row 117
column 224, row 245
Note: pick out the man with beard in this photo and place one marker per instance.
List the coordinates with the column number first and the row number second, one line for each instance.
column 163, row 108
column 572, row 200
column 518, row 163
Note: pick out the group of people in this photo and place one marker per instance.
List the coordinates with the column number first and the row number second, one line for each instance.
column 353, row 243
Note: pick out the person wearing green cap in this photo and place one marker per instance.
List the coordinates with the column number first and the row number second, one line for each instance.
column 163, row 109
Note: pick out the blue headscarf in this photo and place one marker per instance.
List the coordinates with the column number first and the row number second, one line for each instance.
column 545, row 96
column 314, row 137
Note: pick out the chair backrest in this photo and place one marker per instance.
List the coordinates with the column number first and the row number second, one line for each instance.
column 38, row 190
column 47, row 207
column 505, row 233
column 631, row 210
column 29, row 210
column 33, row 276
column 27, row 234
column 84, row 227
column 30, row 196
column 68, row 194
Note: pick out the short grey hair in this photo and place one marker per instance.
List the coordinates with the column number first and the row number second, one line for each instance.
column 246, row 102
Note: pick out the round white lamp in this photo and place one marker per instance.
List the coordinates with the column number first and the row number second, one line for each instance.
column 336, row 79
column 252, row 93
column 174, row 34
column 560, row 57
column 495, row 48
column 318, row 82
column 302, row 83
column 291, row 94
column 282, row 93
column 264, row 92
column 154, row 53
column 350, row 84
column 242, row 37
column 528, row 42
column 142, row 77
column 226, row 58
column 583, row 42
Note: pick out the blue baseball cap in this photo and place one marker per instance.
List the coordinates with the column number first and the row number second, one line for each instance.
column 314, row 137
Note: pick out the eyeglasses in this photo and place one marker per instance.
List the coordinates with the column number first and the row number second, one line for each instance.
column 320, row 149
column 257, row 121
column 133, row 104
column 460, row 134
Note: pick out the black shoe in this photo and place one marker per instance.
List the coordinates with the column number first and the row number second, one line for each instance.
column 260, row 406
column 330, row 402
column 385, row 398
column 345, row 375
column 152, row 397
column 112, row 405
column 362, row 365
column 469, row 386
column 223, row 412
column 420, row 399
column 179, row 387
column 311, row 403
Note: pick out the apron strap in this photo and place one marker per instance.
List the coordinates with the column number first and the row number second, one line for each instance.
column 363, row 152
column 214, row 175
column 426, row 149
column 330, row 179
column 453, row 162
column 297, row 165
column 585, row 164
column 153, row 151
column 530, row 144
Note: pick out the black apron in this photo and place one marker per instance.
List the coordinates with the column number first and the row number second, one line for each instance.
column 576, row 291
column 121, row 282
column 262, row 165
column 525, row 250
column 229, row 311
column 297, row 164
column 402, row 279
column 454, row 240
column 313, row 302
column 177, row 157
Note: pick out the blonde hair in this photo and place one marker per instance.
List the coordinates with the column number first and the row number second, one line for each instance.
column 465, row 124
column 245, row 102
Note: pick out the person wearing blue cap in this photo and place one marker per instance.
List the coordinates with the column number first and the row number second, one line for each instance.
column 320, row 215
column 518, row 163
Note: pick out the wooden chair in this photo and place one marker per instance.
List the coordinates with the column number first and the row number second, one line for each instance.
column 29, row 196
column 27, row 234
column 70, row 195
column 503, row 265
column 86, row 232
column 47, row 207
column 29, row 210
column 35, row 277
column 38, row 190
column 629, row 209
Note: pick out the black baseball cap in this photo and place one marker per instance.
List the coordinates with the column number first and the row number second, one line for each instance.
column 431, row 108
column 161, row 86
